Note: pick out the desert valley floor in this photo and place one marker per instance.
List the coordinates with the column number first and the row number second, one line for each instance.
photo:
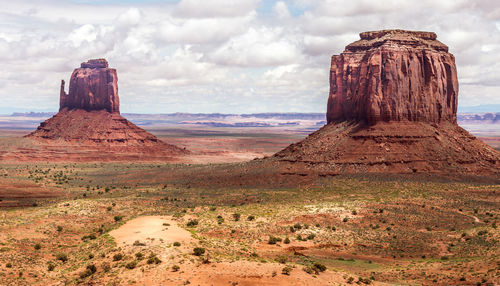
column 225, row 222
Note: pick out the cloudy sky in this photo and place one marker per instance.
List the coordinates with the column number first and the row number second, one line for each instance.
column 225, row 56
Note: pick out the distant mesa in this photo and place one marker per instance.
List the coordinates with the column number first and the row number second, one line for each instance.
column 392, row 108
column 89, row 115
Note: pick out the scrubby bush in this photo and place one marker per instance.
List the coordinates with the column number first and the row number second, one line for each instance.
column 176, row 268
column 236, row 216
column 37, row 246
column 177, row 243
column 192, row 222
column 117, row 257
column 286, row 270
column 287, row 240
column 273, row 239
column 199, row 251
column 153, row 259
column 51, row 266
column 131, row 265
column 251, row 218
column 118, row 218
column 62, row 257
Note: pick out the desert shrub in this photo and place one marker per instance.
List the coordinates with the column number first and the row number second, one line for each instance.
column 62, row 257
column 59, row 228
column 311, row 236
column 117, row 257
column 320, row 267
column 345, row 219
column 236, row 216
column 287, row 240
column 51, row 266
column 153, row 259
column 138, row 243
column 91, row 255
column 306, row 226
column 166, row 224
column 8, row 265
column 281, row 259
column 292, row 229
column 354, row 212
column 89, row 237
column 131, row 265
column 212, row 209
column 91, row 269
column 199, row 251
column 273, row 239
column 220, row 219
column 334, row 228
column 37, row 246
column 192, row 222
column 176, row 268
column 251, row 217
column 118, row 218
column 139, row 256
column 286, row 270
column 177, row 243
column 109, row 208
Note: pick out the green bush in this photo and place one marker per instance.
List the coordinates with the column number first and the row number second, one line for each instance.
column 236, row 216
column 273, row 239
column 37, row 246
column 176, row 268
column 51, row 266
column 131, row 264
column 62, row 257
column 199, row 251
column 251, row 218
column 117, row 257
column 286, row 270
column 192, row 222
column 118, row 218
column 287, row 240
column 177, row 243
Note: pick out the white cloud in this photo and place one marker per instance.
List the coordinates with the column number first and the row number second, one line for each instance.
column 227, row 56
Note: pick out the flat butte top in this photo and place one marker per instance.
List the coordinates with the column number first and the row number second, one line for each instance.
column 418, row 40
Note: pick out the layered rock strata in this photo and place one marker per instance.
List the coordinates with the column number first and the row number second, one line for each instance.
column 93, row 86
column 89, row 118
column 393, row 75
column 392, row 109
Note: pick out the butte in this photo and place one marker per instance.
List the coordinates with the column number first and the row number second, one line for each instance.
column 89, row 122
column 392, row 108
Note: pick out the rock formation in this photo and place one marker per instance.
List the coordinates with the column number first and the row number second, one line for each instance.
column 89, row 117
column 93, row 86
column 393, row 75
column 392, row 108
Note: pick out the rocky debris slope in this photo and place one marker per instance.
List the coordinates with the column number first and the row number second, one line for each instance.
column 392, row 109
column 393, row 75
column 89, row 117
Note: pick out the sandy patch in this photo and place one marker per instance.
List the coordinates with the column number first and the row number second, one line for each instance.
column 150, row 230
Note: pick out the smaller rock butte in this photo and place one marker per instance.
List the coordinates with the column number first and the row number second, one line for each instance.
column 93, row 86
column 89, row 118
column 393, row 75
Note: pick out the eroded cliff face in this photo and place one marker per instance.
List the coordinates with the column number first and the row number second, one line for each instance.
column 393, row 75
column 93, row 86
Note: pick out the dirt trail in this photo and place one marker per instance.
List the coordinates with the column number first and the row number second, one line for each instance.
column 151, row 229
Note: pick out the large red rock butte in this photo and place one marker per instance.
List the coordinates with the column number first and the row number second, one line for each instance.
column 393, row 75
column 392, row 109
column 93, row 86
column 89, row 121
